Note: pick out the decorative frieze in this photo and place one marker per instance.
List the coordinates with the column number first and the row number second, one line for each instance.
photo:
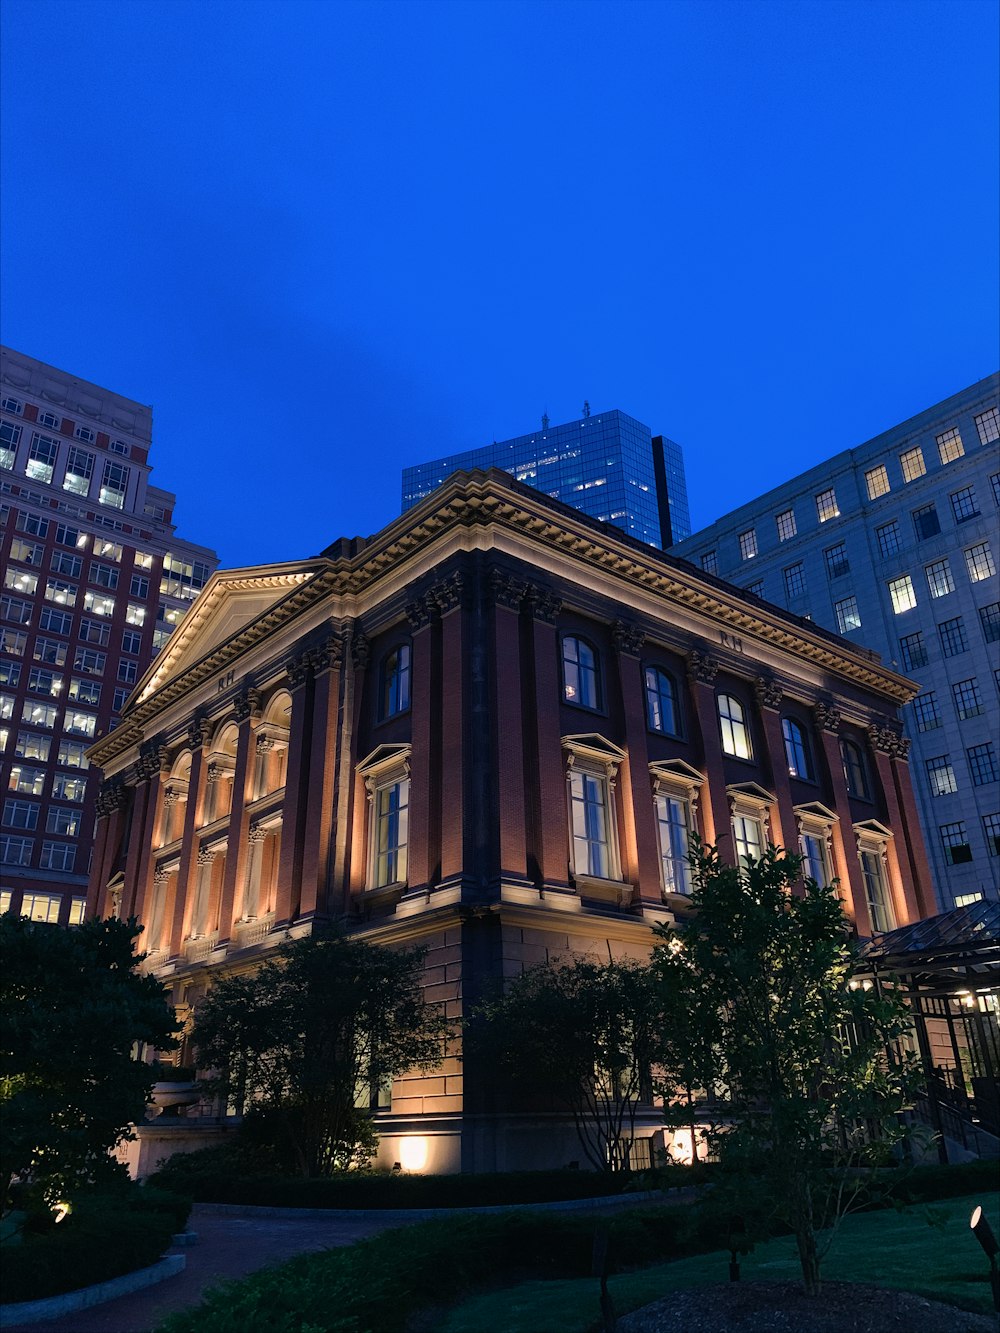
column 627, row 638
column 827, row 717
column 768, row 691
column 702, row 668
column 545, row 605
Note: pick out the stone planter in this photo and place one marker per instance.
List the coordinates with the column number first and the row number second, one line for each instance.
column 167, row 1099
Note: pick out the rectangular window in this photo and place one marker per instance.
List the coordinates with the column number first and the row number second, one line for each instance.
column 57, row 856
column 795, row 580
column 64, row 563
column 32, row 524
column 953, row 640
column 29, row 781
column 85, row 691
column 86, row 659
column 709, row 562
column 139, row 586
column 99, row 604
column 50, row 650
column 941, row 776
column 128, row 671
column 105, row 576
column 982, row 764
column 77, row 911
column 939, row 579
column 79, row 723
column 926, row 522
column 132, row 641
column 955, row 841
column 43, row 681
column 20, row 580
column 143, row 560
column 988, row 425
column 13, row 641
column 837, row 563
column 20, row 814
column 26, row 553
column 15, row 851
column 135, row 614
column 888, row 538
column 995, row 486
column 6, row 707
column 61, row 820
column 913, row 651
column 979, row 562
column 991, row 829
column 989, row 619
column 39, row 715
column 120, row 696
column 592, row 850
column 785, row 523
column 756, row 589
column 41, row 907
column 902, row 595
column 160, row 636
column 814, row 858
column 877, row 481
column 950, row 445
column 61, row 592
column 41, row 458
column 114, row 484
column 967, row 700
column 106, row 549
column 73, row 754
column 964, row 504
column 9, row 437
column 56, row 622
column 10, row 673
column 848, row 615
column 32, row 745
column 749, row 837
column 68, row 788
column 67, row 536
column 79, row 470
column 391, row 816
column 926, row 712
column 826, row 505
column 14, row 610
column 912, row 463
column 748, row 544
column 876, row 891
column 672, row 830
column 95, row 631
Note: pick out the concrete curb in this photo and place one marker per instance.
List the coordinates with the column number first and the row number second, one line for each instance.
column 52, row 1307
column 419, row 1214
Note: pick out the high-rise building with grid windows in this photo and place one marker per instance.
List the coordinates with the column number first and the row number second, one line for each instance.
column 607, row 465
column 94, row 581
column 894, row 544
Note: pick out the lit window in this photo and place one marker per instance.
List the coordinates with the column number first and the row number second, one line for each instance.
column 941, row 776
column 837, row 563
column 79, row 470
column 735, row 732
column 661, row 701
column 43, row 681
column 67, row 536
column 876, row 889
column 982, row 764
column 98, row 604
column 78, row 723
column 902, row 594
column 143, row 560
column 926, row 712
column 748, row 835
column 9, row 437
column 61, row 592
column 106, row 548
column 27, row 553
column 826, row 505
column 988, row 425
column 114, row 485
column 989, row 619
column 950, row 446
column 673, row 815
column 41, row 906
column 748, row 544
column 967, row 700
column 39, row 715
column 939, row 579
column 20, row 580
column 580, row 683
column 877, row 481
column 785, row 523
column 28, row 781
column 135, row 614
column 710, row 562
column 855, row 770
column 913, row 651
column 41, row 458
column 13, row 641
column 10, row 673
column 888, row 538
column 912, row 463
column 979, row 562
column 73, row 754
column 955, row 841
column 848, row 615
column 796, row 749
column 795, row 580
column 395, row 692
column 77, row 911
column 85, row 691
column 926, row 522
column 6, row 707
column 32, row 745
column 67, row 788
column 952, row 635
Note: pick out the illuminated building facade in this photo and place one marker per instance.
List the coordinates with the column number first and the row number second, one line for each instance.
column 607, row 465
column 491, row 729
column 894, row 545
column 94, row 582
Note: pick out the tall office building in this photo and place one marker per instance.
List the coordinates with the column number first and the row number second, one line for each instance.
column 94, row 582
column 894, row 544
column 607, row 465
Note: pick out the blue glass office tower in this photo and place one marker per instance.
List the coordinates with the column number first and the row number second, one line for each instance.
column 608, row 465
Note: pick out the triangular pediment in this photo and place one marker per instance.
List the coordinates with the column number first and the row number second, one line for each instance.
column 676, row 768
column 873, row 826
column 596, row 746
column 818, row 810
column 231, row 600
column 752, row 790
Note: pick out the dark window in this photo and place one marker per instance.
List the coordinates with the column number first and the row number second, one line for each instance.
column 395, row 692
column 796, row 749
column 661, row 701
column 580, row 681
column 888, row 538
column 837, row 563
column 926, row 522
column 913, row 651
column 953, row 640
column 964, row 505
column 989, row 618
column 955, row 841
column 855, row 770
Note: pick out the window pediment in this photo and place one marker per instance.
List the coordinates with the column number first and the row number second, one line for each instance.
column 385, row 763
column 676, row 775
column 871, row 833
column 749, row 798
column 595, row 748
column 816, row 812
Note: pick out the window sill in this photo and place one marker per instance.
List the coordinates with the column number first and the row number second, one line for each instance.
column 388, row 894
column 614, row 891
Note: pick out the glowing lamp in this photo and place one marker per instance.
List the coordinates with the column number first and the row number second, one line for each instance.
column 413, row 1153
column 983, row 1232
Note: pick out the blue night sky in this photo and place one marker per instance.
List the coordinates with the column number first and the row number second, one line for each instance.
column 326, row 240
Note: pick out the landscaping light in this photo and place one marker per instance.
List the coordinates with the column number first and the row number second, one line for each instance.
column 413, row 1153
column 61, row 1210
column 983, row 1232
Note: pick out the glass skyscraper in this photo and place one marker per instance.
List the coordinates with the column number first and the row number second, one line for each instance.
column 608, row 465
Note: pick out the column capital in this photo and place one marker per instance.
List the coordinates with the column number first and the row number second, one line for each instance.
column 360, row 647
column 768, row 691
column 628, row 638
column 508, row 589
column 889, row 740
column 419, row 613
column 207, row 855
column 111, row 795
column 326, row 656
column 544, row 605
column 199, row 732
column 297, row 670
column 449, row 593
column 247, row 704
column 702, row 668
column 826, row 716
column 256, row 833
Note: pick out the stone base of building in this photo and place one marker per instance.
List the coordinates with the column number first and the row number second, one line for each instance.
column 158, row 1140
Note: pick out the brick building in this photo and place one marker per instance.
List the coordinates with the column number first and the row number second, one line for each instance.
column 490, row 729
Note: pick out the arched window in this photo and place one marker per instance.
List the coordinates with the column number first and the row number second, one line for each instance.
column 796, row 749
column 735, row 732
column 395, row 688
column 580, row 682
column 854, row 770
column 661, row 701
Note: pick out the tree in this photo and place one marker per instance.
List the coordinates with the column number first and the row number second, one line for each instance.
column 74, row 1010
column 583, row 1034
column 307, row 1039
column 810, row 1060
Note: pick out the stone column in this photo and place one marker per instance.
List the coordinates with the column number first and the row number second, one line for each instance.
column 423, row 850
column 199, row 920
column 552, row 827
column 352, row 798
column 509, row 592
column 307, row 865
column 199, row 734
column 246, row 711
column 449, row 596
column 111, row 807
column 784, row 828
column 888, row 744
column 912, row 833
column 641, row 865
column 140, row 861
column 716, row 826
column 847, row 865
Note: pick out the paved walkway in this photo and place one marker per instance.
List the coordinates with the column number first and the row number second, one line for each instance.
column 228, row 1247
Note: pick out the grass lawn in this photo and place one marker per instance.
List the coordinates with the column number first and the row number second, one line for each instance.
column 928, row 1249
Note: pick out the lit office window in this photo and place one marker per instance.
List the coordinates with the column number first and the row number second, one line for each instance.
column 877, row 481
column 901, row 594
column 912, row 463
column 735, row 731
column 979, row 562
column 941, row 776
column 41, row 458
column 20, row 580
column 748, row 544
column 785, row 523
column 79, row 470
column 9, row 437
column 939, row 579
column 826, row 505
column 848, row 615
column 98, row 604
column 61, row 592
column 950, row 446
